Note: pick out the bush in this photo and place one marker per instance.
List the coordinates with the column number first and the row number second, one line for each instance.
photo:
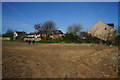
column 91, row 39
column 117, row 40
column 57, row 39
column 8, row 34
column 71, row 38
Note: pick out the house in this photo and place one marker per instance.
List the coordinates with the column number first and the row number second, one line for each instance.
column 56, row 33
column 103, row 31
column 40, row 35
column 33, row 36
column 19, row 35
column 5, row 38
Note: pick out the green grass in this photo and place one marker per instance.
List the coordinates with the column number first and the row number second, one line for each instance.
column 47, row 42
column 65, row 42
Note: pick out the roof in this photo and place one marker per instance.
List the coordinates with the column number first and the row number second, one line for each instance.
column 57, row 31
column 32, row 33
column 110, row 24
column 44, row 31
column 19, row 32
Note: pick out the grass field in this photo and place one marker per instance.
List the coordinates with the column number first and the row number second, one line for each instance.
column 58, row 60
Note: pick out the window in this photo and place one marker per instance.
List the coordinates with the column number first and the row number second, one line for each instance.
column 105, row 28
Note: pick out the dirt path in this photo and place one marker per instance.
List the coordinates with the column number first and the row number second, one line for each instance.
column 57, row 60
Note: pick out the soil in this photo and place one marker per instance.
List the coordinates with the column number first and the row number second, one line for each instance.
column 58, row 60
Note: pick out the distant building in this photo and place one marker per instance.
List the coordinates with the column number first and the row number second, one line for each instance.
column 56, row 33
column 19, row 35
column 103, row 31
column 41, row 34
column 33, row 36
column 4, row 38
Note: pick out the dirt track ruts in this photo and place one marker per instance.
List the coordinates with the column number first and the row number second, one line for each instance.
column 57, row 60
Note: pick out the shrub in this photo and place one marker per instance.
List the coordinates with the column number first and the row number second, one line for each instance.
column 117, row 40
column 57, row 39
column 71, row 38
column 90, row 39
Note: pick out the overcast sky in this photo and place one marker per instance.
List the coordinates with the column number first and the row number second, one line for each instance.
column 22, row 16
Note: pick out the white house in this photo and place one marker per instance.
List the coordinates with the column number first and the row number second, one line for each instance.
column 19, row 35
column 39, row 35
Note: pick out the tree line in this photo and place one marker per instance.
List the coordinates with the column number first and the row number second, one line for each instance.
column 48, row 26
column 74, row 34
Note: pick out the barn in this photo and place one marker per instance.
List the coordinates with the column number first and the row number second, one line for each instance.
column 103, row 31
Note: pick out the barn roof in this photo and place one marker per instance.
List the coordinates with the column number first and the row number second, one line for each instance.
column 110, row 24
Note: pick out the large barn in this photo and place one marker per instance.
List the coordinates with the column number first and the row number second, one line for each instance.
column 103, row 31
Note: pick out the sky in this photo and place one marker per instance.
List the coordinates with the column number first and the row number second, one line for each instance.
column 0, row 17
column 60, row 0
column 21, row 16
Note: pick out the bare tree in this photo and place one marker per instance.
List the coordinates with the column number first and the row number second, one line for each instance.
column 38, row 27
column 9, row 31
column 48, row 26
column 74, row 29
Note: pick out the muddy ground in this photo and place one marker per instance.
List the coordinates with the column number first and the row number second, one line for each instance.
column 57, row 60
